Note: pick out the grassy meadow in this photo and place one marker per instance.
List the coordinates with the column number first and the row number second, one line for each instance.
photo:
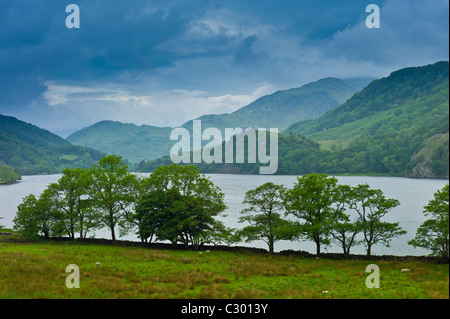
column 37, row 270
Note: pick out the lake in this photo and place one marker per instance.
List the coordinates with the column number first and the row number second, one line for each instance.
column 413, row 195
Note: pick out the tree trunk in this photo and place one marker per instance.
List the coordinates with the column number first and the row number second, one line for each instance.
column 271, row 246
column 111, row 225
column 113, row 235
column 369, row 251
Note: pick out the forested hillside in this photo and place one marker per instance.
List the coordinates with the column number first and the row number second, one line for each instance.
column 132, row 142
column 31, row 150
column 397, row 125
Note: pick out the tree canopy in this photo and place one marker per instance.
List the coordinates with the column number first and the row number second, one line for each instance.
column 433, row 234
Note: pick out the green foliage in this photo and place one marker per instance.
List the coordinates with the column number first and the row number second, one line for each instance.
column 72, row 203
column 31, row 150
column 322, row 205
column 81, row 201
column 433, row 234
column 371, row 206
column 177, row 203
column 387, row 127
column 113, row 192
column 345, row 226
column 264, row 216
column 310, row 200
column 8, row 175
column 156, row 215
column 34, row 217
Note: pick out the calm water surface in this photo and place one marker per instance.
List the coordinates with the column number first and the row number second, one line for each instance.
column 413, row 195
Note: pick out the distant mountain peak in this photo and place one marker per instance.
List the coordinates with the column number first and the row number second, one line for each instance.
column 276, row 110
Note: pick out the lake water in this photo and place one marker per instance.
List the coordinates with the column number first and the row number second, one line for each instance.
column 413, row 195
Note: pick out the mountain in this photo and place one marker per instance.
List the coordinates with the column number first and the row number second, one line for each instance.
column 278, row 110
column 285, row 107
column 31, row 150
column 298, row 156
column 134, row 143
column 396, row 126
column 403, row 87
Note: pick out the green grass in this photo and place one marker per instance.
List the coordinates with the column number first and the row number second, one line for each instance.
column 38, row 271
column 343, row 135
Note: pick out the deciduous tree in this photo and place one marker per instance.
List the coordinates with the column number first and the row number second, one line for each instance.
column 113, row 191
column 371, row 206
column 433, row 234
column 311, row 200
column 264, row 216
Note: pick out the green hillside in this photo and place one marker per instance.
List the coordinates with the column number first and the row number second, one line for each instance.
column 134, row 143
column 283, row 108
column 31, row 150
column 396, row 126
column 295, row 154
column 402, row 88
column 386, row 127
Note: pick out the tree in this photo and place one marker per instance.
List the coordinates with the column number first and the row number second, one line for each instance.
column 267, row 224
column 311, row 200
column 433, row 234
column 195, row 202
column 8, row 175
column 371, row 206
column 156, row 215
column 113, row 192
column 343, row 229
column 35, row 216
column 73, row 205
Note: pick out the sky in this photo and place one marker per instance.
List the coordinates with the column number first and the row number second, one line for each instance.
column 163, row 63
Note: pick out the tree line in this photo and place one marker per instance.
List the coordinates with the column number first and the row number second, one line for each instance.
column 174, row 203
column 178, row 204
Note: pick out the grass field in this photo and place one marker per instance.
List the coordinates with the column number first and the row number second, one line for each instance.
column 37, row 270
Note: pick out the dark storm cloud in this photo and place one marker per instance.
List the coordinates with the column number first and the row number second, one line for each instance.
column 129, row 56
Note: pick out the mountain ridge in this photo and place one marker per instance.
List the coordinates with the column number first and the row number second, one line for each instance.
column 396, row 126
column 138, row 143
column 305, row 102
